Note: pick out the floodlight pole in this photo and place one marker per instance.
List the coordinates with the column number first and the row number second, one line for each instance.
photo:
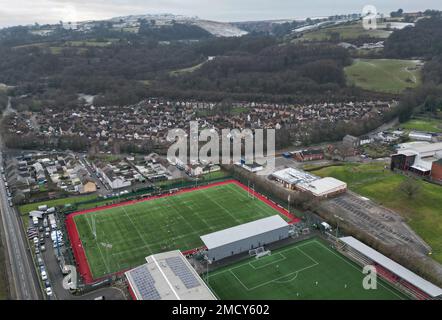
column 288, row 203
column 207, row 275
column 338, row 218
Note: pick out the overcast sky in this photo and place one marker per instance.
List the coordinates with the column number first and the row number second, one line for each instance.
column 14, row 12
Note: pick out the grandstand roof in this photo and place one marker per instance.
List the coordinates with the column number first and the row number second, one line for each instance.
column 394, row 267
column 243, row 231
column 167, row 276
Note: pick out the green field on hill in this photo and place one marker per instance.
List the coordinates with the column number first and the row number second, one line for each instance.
column 428, row 125
column 384, row 75
column 346, row 32
column 423, row 212
column 125, row 235
column 306, row 270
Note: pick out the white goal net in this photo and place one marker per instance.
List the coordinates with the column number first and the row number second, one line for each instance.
column 263, row 254
column 255, row 252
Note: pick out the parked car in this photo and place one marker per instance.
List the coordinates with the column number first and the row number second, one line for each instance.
column 49, row 291
column 43, row 248
column 47, row 283
column 44, row 276
column 35, row 240
column 60, row 244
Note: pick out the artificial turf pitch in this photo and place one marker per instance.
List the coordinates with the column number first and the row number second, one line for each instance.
column 126, row 234
column 305, row 270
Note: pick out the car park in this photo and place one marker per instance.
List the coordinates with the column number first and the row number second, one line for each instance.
column 59, row 244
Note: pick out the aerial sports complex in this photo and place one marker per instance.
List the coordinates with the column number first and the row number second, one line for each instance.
column 224, row 240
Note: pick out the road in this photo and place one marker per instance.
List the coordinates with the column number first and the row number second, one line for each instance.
column 24, row 283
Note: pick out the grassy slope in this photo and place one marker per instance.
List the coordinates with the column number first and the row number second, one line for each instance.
column 24, row 209
column 423, row 212
column 383, row 75
column 430, row 125
column 347, row 32
column 276, row 276
column 175, row 222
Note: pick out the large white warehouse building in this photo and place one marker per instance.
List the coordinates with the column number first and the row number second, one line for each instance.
column 242, row 238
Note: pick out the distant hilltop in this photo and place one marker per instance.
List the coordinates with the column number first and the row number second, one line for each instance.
column 131, row 23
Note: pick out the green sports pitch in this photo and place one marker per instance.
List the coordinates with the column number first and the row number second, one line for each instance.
column 118, row 238
column 306, row 270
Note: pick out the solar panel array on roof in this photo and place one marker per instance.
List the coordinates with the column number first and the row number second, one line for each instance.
column 145, row 283
column 181, row 270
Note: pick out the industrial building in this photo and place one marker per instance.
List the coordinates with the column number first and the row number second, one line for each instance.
column 290, row 177
column 421, row 136
column 295, row 179
column 417, row 158
column 245, row 237
column 167, row 276
column 325, row 187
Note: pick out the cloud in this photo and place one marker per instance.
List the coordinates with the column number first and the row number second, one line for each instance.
column 13, row 12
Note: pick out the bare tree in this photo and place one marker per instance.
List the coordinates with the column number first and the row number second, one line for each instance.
column 410, row 187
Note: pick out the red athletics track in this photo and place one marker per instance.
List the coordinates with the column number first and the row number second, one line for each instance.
column 77, row 247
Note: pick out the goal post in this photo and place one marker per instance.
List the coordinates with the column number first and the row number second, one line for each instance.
column 256, row 251
column 263, row 254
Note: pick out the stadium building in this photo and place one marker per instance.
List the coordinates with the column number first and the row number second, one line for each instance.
column 245, row 237
column 167, row 276
column 388, row 269
column 417, row 158
column 300, row 180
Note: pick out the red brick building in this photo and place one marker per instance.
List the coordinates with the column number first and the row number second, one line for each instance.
column 436, row 170
column 309, row 155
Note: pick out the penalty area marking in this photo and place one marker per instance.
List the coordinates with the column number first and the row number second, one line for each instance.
column 279, row 279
